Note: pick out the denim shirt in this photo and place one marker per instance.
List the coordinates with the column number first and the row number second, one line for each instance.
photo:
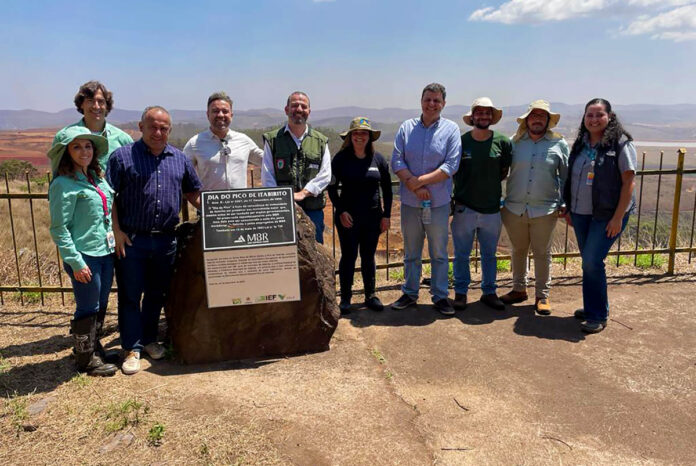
column 422, row 150
column 537, row 174
column 78, row 221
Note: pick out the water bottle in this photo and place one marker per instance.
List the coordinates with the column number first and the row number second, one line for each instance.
column 426, row 212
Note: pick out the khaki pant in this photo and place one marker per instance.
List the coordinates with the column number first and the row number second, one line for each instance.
column 537, row 232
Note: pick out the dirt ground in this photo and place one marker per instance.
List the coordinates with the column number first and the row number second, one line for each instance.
column 409, row 387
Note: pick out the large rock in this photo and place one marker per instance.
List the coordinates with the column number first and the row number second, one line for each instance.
column 201, row 334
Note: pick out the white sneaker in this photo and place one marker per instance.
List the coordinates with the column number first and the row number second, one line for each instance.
column 155, row 350
column 131, row 364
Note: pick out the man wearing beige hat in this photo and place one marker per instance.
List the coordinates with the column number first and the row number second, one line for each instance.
column 533, row 200
column 486, row 156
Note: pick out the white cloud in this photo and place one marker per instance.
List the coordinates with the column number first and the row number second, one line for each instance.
column 534, row 11
column 661, row 19
column 678, row 24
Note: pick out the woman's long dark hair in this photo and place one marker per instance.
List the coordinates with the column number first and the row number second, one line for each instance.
column 612, row 133
column 66, row 166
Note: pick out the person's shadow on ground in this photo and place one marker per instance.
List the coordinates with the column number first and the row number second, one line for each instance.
column 551, row 327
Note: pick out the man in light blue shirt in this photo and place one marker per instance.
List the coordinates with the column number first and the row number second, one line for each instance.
column 426, row 155
column 534, row 197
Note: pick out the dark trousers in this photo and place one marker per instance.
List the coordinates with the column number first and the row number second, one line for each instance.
column 143, row 275
column 362, row 236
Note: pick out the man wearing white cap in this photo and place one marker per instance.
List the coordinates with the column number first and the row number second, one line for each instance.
column 486, row 156
column 533, row 200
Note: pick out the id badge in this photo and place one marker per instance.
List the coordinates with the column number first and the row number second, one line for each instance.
column 590, row 178
column 111, row 240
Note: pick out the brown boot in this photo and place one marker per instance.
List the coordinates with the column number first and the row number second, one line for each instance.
column 542, row 306
column 514, row 297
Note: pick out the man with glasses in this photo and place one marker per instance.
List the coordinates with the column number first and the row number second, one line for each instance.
column 94, row 101
column 297, row 155
column 220, row 155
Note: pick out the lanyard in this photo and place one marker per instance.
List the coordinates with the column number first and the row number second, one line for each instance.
column 103, row 197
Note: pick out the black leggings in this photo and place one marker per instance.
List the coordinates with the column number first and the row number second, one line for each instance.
column 363, row 235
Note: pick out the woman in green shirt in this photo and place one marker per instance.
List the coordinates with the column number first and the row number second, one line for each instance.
column 80, row 206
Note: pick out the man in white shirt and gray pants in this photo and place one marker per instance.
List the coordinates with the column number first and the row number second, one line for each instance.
column 220, row 155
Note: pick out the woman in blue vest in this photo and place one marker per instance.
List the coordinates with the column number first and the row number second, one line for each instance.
column 359, row 172
column 80, row 206
column 599, row 199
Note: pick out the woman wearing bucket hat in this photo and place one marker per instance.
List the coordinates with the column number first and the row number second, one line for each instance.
column 358, row 173
column 80, row 207
column 599, row 200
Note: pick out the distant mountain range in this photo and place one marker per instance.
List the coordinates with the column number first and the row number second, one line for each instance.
column 644, row 121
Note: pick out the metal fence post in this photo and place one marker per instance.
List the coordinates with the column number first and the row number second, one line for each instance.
column 675, row 210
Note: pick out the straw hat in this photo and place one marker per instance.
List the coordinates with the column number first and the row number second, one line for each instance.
column 361, row 123
column 101, row 145
column 540, row 105
column 483, row 102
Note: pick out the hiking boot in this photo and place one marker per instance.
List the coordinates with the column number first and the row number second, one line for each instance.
column 374, row 303
column 514, row 297
column 593, row 326
column 580, row 314
column 131, row 364
column 84, row 333
column 403, row 302
column 155, row 350
column 492, row 301
column 459, row 301
column 542, row 306
column 444, row 307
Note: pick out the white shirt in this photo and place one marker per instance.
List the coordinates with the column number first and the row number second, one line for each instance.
column 216, row 169
column 316, row 185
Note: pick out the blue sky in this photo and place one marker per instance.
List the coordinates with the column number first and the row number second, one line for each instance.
column 377, row 53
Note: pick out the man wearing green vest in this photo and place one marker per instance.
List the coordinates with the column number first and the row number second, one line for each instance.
column 298, row 156
column 95, row 102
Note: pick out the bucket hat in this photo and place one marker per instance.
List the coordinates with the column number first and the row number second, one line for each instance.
column 364, row 124
column 540, row 105
column 483, row 102
column 55, row 154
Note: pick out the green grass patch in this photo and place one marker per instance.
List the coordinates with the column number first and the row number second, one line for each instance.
column 644, row 261
column 80, row 380
column 397, row 275
column 16, row 406
column 503, row 265
column 121, row 415
column 4, row 365
column 156, row 434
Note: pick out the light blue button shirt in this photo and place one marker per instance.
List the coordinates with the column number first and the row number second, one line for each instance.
column 537, row 175
column 423, row 150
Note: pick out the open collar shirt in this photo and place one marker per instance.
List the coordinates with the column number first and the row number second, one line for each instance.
column 422, row 150
column 316, row 185
column 537, row 175
column 148, row 187
column 218, row 168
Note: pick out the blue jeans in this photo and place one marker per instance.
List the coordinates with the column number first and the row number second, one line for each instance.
column 465, row 223
column 317, row 217
column 143, row 274
column 92, row 296
column 594, row 247
column 414, row 233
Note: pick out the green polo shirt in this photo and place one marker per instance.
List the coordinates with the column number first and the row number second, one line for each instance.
column 114, row 135
column 477, row 182
column 78, row 221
